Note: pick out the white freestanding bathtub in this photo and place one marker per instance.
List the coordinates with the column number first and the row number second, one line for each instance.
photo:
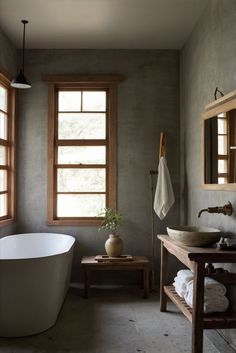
column 34, row 278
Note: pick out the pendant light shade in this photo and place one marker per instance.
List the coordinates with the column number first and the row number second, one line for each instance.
column 20, row 81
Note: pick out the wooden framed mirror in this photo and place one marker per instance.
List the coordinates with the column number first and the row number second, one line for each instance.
column 219, row 144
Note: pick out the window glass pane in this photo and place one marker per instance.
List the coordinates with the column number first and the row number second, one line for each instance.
column 222, row 144
column 3, row 180
column 222, row 166
column 80, row 205
column 81, row 126
column 69, row 101
column 84, row 180
column 3, row 205
column 222, row 115
column 82, row 154
column 222, row 126
column 3, row 126
column 222, row 180
column 3, row 155
column 3, row 98
column 94, row 101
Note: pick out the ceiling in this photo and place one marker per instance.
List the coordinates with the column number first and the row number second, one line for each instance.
column 100, row 24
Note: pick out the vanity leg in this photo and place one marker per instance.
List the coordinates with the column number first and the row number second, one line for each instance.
column 198, row 301
column 163, row 277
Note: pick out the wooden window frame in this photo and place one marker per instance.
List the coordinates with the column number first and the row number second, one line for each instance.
column 224, row 156
column 80, row 82
column 226, row 104
column 10, row 167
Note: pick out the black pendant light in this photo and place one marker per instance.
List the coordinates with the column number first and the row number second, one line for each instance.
column 20, row 81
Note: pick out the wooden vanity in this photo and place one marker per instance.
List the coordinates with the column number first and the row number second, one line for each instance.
column 195, row 259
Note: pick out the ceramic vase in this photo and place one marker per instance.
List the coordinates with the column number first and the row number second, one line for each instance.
column 114, row 245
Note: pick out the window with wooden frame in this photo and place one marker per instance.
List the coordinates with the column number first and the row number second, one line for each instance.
column 7, row 143
column 222, row 143
column 82, row 148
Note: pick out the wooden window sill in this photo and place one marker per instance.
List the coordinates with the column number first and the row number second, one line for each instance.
column 74, row 222
column 6, row 222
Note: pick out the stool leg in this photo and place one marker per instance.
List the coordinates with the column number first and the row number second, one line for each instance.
column 146, row 282
column 86, row 282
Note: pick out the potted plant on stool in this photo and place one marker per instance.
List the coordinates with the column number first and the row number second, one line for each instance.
column 112, row 220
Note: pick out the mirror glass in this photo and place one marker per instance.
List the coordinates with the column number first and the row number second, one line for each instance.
column 220, row 148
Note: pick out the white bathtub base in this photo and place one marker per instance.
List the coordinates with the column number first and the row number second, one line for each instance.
column 32, row 292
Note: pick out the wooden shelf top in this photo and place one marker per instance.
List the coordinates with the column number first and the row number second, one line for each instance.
column 207, row 254
column 136, row 262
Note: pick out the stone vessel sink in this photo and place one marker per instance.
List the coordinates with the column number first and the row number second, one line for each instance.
column 194, row 236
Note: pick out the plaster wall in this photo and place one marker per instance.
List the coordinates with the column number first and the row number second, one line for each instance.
column 8, row 54
column 207, row 61
column 8, row 63
column 148, row 103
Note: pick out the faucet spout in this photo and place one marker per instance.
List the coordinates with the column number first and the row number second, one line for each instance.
column 225, row 210
column 203, row 210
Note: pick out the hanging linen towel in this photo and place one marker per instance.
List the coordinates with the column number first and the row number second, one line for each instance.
column 164, row 195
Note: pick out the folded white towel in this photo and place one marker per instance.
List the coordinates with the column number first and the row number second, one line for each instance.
column 211, row 287
column 216, row 300
column 180, row 282
column 211, row 305
column 164, row 195
column 221, row 306
column 214, row 296
column 185, row 275
column 180, row 289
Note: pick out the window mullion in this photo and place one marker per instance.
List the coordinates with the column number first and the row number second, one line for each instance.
column 81, row 193
column 81, row 166
column 81, row 142
column 5, row 143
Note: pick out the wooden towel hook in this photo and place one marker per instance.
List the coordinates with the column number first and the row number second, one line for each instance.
column 162, row 149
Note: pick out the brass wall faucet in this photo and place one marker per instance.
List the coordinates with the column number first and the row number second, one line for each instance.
column 226, row 210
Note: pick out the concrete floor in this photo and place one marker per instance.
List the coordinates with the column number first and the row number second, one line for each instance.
column 113, row 320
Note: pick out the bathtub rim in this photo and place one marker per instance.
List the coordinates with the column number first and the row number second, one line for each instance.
column 70, row 248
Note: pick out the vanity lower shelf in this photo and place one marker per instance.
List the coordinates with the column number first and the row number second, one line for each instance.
column 210, row 321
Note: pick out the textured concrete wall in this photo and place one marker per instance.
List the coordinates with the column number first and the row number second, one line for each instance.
column 8, row 54
column 8, row 62
column 148, row 103
column 207, row 61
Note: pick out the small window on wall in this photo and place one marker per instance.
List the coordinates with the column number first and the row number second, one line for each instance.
column 82, row 151
column 7, row 168
column 222, row 135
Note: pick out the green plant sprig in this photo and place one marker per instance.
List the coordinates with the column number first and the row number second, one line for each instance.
column 112, row 219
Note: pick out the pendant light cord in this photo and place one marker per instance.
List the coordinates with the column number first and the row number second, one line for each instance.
column 20, row 81
column 23, row 54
